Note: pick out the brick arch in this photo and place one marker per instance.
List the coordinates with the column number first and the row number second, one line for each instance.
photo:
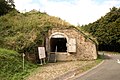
column 59, row 33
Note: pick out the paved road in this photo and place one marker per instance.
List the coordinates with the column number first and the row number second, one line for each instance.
column 109, row 70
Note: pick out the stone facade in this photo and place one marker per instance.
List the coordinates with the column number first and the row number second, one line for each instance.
column 78, row 46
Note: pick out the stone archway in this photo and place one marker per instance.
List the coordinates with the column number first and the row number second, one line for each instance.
column 58, row 42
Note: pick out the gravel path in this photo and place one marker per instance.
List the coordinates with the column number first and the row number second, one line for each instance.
column 53, row 70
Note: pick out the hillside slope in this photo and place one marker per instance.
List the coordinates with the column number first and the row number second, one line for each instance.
column 11, row 66
column 24, row 32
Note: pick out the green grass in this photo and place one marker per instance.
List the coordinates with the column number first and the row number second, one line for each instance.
column 11, row 66
column 89, row 66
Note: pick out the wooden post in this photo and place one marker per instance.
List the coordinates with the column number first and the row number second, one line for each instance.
column 55, row 53
column 23, row 61
column 41, row 62
column 44, row 61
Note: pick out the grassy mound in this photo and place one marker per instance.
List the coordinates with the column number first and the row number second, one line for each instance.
column 11, row 66
column 25, row 32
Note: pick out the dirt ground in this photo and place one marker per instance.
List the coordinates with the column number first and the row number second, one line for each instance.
column 53, row 70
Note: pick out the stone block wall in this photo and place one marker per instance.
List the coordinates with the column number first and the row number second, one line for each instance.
column 85, row 48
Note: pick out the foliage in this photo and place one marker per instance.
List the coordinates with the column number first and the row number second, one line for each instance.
column 24, row 32
column 6, row 6
column 11, row 2
column 106, row 30
column 11, row 66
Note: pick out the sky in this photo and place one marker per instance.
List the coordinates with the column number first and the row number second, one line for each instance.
column 76, row 12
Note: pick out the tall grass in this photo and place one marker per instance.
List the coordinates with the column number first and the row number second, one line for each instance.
column 11, row 66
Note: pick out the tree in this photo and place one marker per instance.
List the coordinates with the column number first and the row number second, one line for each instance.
column 107, row 30
column 6, row 6
column 11, row 2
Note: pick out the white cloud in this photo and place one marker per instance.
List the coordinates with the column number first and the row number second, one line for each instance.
column 77, row 11
column 26, row 5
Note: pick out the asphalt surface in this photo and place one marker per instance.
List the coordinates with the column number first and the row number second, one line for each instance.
column 109, row 70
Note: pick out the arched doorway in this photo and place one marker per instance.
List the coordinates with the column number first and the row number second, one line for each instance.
column 58, row 43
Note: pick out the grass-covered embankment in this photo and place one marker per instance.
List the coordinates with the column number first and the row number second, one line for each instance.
column 11, row 67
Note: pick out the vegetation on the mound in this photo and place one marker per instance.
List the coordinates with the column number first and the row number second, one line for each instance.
column 106, row 30
column 11, row 67
column 23, row 32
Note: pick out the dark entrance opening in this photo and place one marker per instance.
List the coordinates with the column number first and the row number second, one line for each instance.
column 58, row 45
